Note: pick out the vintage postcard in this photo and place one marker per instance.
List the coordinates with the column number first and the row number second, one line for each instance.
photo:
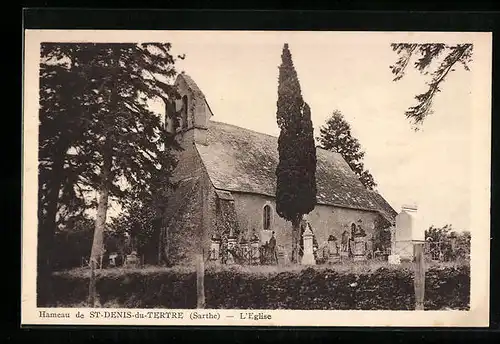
column 256, row 178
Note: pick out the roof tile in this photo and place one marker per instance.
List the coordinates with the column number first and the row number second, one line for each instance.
column 242, row 160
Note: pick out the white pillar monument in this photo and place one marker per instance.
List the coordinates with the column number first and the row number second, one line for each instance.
column 407, row 233
column 308, row 257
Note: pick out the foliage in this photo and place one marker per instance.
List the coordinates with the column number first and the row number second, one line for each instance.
column 426, row 54
column 336, row 136
column 453, row 245
column 94, row 109
column 141, row 223
column 119, row 79
column 382, row 236
column 73, row 242
column 296, row 170
column 447, row 286
column 296, row 183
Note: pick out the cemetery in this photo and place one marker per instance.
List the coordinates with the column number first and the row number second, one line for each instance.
column 247, row 276
column 355, row 246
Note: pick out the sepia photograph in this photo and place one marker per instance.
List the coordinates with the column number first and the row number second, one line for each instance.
column 256, row 173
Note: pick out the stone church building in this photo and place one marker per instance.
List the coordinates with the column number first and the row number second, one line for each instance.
column 226, row 185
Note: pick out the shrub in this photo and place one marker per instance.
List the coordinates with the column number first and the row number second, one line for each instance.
column 361, row 287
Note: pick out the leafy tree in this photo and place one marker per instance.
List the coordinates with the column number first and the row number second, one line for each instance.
column 73, row 241
column 336, row 136
column 453, row 245
column 143, row 219
column 382, row 235
column 426, row 56
column 296, row 170
column 438, row 233
column 463, row 245
column 116, row 241
column 61, row 125
column 123, row 144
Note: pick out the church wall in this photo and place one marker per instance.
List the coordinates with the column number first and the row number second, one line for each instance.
column 209, row 213
column 190, row 234
column 196, row 219
column 191, row 237
column 328, row 220
column 189, row 161
column 325, row 220
column 250, row 208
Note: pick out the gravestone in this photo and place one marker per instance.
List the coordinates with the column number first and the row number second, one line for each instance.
column 231, row 246
column 358, row 244
column 254, row 249
column 308, row 257
column 215, row 248
column 369, row 246
column 344, row 246
column 132, row 261
column 359, row 248
column 333, row 250
column 112, row 259
column 282, row 258
column 245, row 250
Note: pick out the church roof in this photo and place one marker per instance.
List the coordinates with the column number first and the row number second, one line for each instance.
column 192, row 86
column 242, row 160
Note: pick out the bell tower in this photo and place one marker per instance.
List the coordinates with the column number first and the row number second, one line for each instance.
column 195, row 114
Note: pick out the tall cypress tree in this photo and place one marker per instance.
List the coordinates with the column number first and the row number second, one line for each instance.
column 296, row 170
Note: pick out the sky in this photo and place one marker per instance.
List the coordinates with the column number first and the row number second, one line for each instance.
column 430, row 168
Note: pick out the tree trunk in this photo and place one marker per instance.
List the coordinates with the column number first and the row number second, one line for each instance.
column 166, row 241
column 160, row 244
column 100, row 223
column 47, row 228
column 419, row 279
column 295, row 239
column 200, row 281
column 163, row 256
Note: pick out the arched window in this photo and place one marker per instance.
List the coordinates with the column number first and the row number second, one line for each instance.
column 169, row 105
column 184, row 112
column 267, row 217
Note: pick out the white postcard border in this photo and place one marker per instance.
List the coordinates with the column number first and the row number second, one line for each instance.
column 478, row 316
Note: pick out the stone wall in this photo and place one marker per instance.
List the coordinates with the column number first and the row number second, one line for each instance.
column 189, row 232
column 328, row 220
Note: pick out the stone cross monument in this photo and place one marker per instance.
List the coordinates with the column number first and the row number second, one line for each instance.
column 215, row 248
column 231, row 245
column 308, row 257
